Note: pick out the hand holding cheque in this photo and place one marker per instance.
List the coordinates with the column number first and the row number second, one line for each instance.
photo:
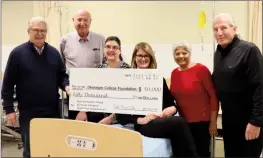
column 125, row 91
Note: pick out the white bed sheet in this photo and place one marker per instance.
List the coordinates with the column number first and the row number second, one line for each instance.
column 153, row 147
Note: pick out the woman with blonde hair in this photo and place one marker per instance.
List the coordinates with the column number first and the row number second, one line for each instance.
column 164, row 125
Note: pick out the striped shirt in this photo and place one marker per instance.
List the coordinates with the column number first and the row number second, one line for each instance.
column 39, row 50
column 82, row 53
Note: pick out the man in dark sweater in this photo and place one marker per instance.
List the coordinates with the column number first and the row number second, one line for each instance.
column 37, row 71
column 238, row 78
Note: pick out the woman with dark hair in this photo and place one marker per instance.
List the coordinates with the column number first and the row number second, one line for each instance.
column 112, row 53
column 112, row 59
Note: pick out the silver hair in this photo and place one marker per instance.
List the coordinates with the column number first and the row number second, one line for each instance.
column 82, row 10
column 183, row 44
column 225, row 16
column 36, row 20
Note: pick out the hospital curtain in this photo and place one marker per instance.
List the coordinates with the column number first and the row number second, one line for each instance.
column 51, row 11
column 255, row 22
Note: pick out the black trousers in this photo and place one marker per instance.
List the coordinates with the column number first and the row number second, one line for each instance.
column 24, row 123
column 24, row 131
column 235, row 144
column 202, row 138
column 177, row 130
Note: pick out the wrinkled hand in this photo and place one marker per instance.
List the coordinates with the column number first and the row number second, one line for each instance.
column 148, row 118
column 167, row 112
column 213, row 128
column 67, row 89
column 82, row 116
column 107, row 121
column 11, row 119
column 252, row 132
column 153, row 116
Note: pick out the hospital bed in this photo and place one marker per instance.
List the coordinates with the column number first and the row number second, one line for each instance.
column 63, row 138
column 152, row 147
column 10, row 131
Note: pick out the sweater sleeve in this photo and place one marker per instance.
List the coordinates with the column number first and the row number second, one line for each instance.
column 63, row 76
column 124, row 119
column 168, row 99
column 9, row 81
column 255, row 81
column 206, row 80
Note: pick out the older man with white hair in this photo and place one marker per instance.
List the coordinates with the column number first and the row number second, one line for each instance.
column 37, row 71
column 238, row 78
column 82, row 49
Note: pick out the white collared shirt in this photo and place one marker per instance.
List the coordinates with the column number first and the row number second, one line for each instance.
column 80, row 54
column 39, row 50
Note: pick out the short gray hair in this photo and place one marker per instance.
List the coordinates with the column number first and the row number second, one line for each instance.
column 225, row 16
column 36, row 20
column 184, row 44
column 82, row 11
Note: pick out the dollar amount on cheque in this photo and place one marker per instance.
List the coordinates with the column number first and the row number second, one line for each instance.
column 125, row 91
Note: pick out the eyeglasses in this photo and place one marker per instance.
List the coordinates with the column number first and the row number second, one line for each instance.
column 37, row 31
column 112, row 47
column 143, row 56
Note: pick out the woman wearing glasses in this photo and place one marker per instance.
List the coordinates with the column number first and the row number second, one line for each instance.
column 164, row 125
column 112, row 59
column 112, row 54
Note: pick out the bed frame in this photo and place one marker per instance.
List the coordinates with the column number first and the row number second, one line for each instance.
column 70, row 138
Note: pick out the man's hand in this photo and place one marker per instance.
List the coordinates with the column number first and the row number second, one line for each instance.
column 167, row 112
column 252, row 132
column 11, row 119
column 213, row 128
column 67, row 89
column 82, row 116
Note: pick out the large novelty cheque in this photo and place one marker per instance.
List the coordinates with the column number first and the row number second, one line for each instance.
column 124, row 91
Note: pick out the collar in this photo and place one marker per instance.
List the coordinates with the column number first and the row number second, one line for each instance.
column 229, row 46
column 117, row 66
column 35, row 48
column 80, row 39
column 40, row 49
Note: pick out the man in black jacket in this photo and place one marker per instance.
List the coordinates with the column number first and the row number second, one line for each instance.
column 238, row 78
column 37, row 71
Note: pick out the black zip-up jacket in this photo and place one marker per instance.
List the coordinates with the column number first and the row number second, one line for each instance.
column 238, row 79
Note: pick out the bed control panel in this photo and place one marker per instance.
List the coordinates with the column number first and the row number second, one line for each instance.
column 81, row 142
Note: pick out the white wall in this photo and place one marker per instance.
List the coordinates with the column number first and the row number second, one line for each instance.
column 159, row 23
column 155, row 21
column 15, row 16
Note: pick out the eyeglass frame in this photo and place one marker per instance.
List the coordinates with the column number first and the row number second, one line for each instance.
column 140, row 57
column 111, row 47
column 43, row 31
